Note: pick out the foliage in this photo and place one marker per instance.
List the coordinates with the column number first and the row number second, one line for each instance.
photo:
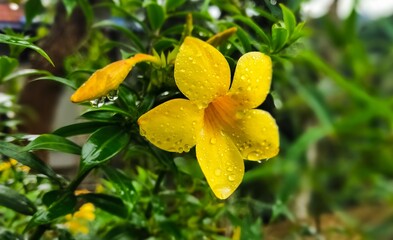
column 331, row 96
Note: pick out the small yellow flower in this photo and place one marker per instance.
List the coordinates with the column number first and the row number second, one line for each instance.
column 12, row 162
column 109, row 78
column 221, row 122
column 78, row 222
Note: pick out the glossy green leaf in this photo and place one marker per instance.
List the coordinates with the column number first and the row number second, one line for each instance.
column 146, row 104
column 53, row 143
column 11, row 199
column 108, row 203
column 67, row 82
column 18, row 41
column 156, row 15
column 63, row 206
column 79, row 129
column 127, row 99
column 122, row 185
column 171, row 5
column 279, row 37
column 32, row 9
column 25, row 72
column 29, row 159
column 102, row 145
column 289, row 19
column 110, row 108
column 7, row 65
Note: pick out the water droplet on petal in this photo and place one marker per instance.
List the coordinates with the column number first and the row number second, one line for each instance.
column 217, row 172
column 113, row 95
column 222, row 191
column 254, row 155
column 231, row 178
column 213, row 140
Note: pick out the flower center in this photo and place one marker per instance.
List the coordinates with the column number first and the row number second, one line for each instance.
column 220, row 113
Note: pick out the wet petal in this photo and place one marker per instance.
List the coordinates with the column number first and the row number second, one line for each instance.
column 108, row 78
column 255, row 134
column 172, row 126
column 201, row 71
column 251, row 82
column 220, row 161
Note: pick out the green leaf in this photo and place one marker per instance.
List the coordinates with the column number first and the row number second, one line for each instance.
column 11, row 199
column 289, row 19
column 108, row 203
column 279, row 37
column 135, row 39
column 79, row 129
column 63, row 206
column 67, row 82
column 102, row 145
column 253, row 26
column 156, row 15
column 189, row 166
column 7, row 65
column 127, row 99
column 32, row 9
column 54, row 143
column 29, row 159
column 18, row 41
column 171, row 5
column 26, row 72
column 110, row 108
column 87, row 11
column 69, row 6
column 122, row 185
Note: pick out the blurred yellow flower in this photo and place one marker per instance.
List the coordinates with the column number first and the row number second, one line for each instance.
column 108, row 79
column 12, row 162
column 79, row 221
column 221, row 122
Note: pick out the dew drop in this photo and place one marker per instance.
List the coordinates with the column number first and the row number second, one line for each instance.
column 273, row 2
column 213, row 140
column 260, row 161
column 99, row 102
column 180, row 149
column 113, row 95
column 181, row 108
column 217, row 172
column 243, row 77
column 222, row 191
column 254, row 155
column 231, row 178
column 230, row 169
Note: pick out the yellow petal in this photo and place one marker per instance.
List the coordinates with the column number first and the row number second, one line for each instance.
column 220, row 161
column 255, row 134
column 108, row 78
column 251, row 82
column 172, row 126
column 201, row 71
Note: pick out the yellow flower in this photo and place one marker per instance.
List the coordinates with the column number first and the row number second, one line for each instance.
column 78, row 222
column 12, row 162
column 109, row 78
column 221, row 122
